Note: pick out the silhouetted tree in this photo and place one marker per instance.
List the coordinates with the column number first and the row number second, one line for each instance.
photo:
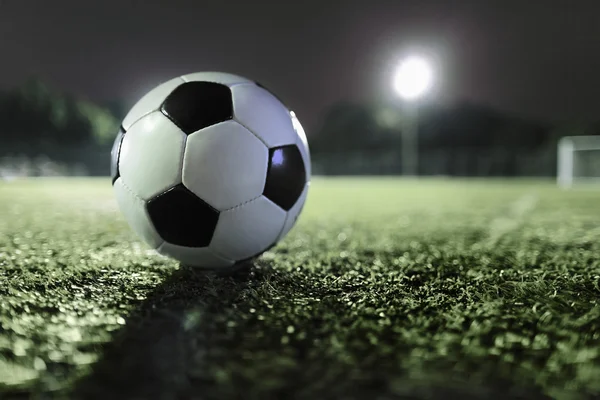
column 349, row 127
column 463, row 138
column 37, row 115
column 118, row 108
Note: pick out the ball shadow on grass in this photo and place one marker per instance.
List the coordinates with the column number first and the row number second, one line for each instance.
column 195, row 328
column 151, row 355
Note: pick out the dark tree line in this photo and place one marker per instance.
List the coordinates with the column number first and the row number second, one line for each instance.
column 459, row 139
column 355, row 127
column 39, row 123
column 462, row 139
column 35, row 116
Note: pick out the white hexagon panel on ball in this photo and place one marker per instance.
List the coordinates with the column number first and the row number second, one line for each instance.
column 225, row 165
column 263, row 114
column 246, row 231
column 134, row 211
column 151, row 155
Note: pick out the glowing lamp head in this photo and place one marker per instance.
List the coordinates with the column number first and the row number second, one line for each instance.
column 414, row 78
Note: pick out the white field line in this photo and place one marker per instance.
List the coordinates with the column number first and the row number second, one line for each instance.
column 517, row 211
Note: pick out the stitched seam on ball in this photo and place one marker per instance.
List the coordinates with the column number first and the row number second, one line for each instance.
column 144, row 204
column 131, row 190
column 139, row 119
column 154, row 110
column 182, row 163
column 278, row 237
column 240, row 84
column 250, row 130
column 230, row 85
column 287, row 213
column 243, row 204
column 221, row 255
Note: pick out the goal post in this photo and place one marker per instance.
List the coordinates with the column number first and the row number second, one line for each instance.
column 578, row 160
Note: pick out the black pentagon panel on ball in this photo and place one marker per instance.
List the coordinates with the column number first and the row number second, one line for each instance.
column 196, row 105
column 114, row 155
column 182, row 218
column 286, row 176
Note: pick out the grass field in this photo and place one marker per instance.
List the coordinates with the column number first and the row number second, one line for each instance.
column 385, row 289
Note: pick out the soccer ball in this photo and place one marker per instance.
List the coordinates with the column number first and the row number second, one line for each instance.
column 210, row 169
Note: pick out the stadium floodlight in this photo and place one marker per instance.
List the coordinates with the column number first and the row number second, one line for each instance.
column 413, row 79
column 578, row 160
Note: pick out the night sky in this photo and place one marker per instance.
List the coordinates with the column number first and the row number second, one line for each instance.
column 538, row 58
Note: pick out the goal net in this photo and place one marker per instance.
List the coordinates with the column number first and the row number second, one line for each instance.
column 578, row 160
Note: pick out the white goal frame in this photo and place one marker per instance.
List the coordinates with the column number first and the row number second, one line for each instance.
column 567, row 147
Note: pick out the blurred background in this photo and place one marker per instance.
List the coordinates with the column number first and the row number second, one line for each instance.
column 507, row 80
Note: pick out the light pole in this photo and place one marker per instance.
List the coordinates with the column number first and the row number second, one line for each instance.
column 412, row 81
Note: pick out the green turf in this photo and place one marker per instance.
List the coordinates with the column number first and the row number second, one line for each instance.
column 385, row 289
